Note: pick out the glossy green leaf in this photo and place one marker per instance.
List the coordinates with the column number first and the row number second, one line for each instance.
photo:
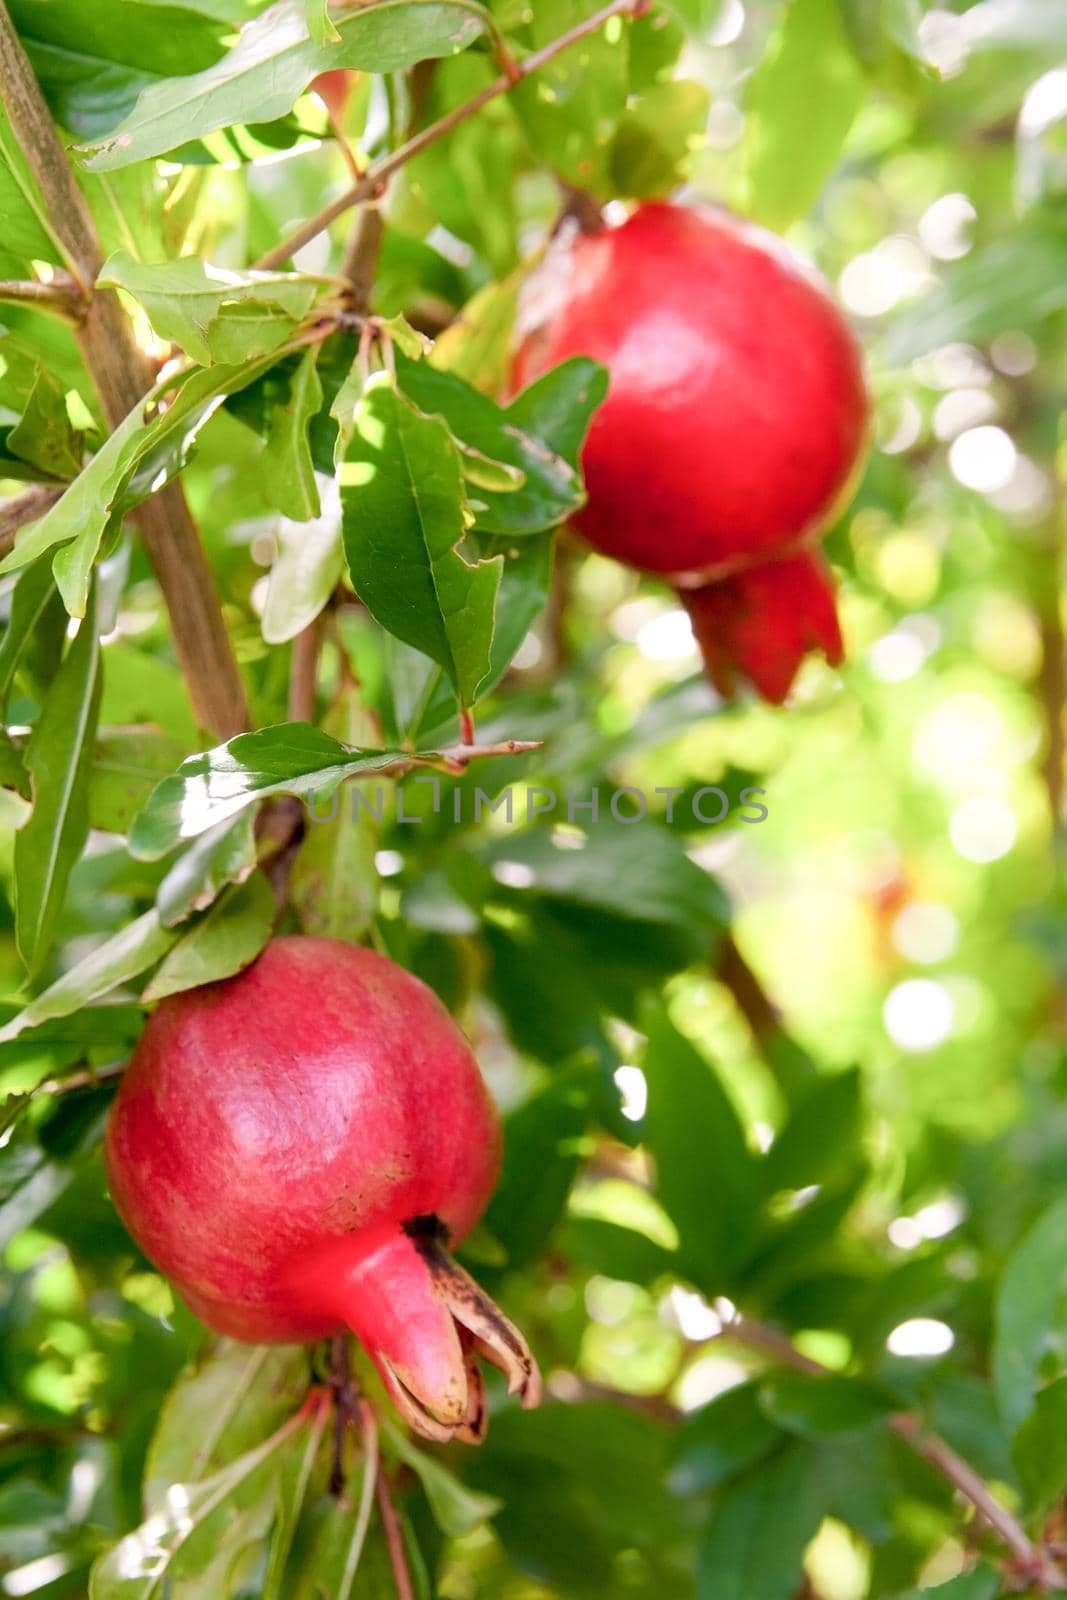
column 291, row 758
column 706, row 1177
column 58, row 758
column 36, row 625
column 44, row 435
column 272, row 63
column 564, row 400
column 800, row 104
column 199, row 306
column 224, row 854
column 404, row 514
column 228, row 936
column 136, row 947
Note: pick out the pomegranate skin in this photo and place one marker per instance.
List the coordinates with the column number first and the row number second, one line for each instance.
column 294, row 1146
column 736, row 411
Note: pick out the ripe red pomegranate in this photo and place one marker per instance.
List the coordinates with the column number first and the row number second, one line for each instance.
column 735, row 419
column 296, row 1146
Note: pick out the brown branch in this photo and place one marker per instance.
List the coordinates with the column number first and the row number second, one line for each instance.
column 62, row 296
column 303, row 669
column 122, row 374
column 87, row 1079
column 394, row 1540
column 379, row 172
column 345, row 1400
column 23, row 508
column 753, row 1002
column 1033, row 1562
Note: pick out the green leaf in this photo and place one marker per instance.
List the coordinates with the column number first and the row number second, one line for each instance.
column 617, row 1252
column 801, row 102
column 569, row 110
column 1040, row 1448
column 456, row 1509
column 655, row 136
column 723, row 1439
column 44, row 434
column 194, row 1539
column 286, row 465
column 333, row 886
column 403, row 502
column 477, row 345
column 983, row 1582
column 753, row 1547
column 136, row 947
column 294, row 1484
column 27, row 233
column 36, row 625
column 542, row 1148
column 127, row 764
column 554, row 413
column 289, row 758
column 1029, row 1317
column 640, row 871
column 273, row 62
column 232, row 1400
column 150, row 443
column 227, row 938
column 819, row 1143
column 94, row 57
column 320, row 24
column 224, row 854
column 823, row 1407
column 306, row 570
column 199, row 306
column 58, row 758
column 707, row 1179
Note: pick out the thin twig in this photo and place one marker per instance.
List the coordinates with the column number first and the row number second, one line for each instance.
column 87, row 1079
column 303, row 669
column 368, row 1432
column 345, row 1400
column 752, row 1000
column 379, row 172
column 361, row 257
column 23, row 508
column 122, row 373
column 394, row 1540
column 62, row 296
column 1032, row 1561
